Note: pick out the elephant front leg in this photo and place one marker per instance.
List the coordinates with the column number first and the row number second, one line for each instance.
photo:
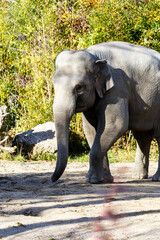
column 156, row 176
column 142, row 154
column 99, row 171
column 112, row 124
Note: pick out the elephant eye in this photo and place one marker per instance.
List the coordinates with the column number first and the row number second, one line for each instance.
column 79, row 89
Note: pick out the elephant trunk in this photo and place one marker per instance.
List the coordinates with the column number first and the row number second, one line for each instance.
column 62, row 120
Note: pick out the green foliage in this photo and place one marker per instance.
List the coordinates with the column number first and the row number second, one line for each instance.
column 34, row 32
column 79, row 158
column 5, row 155
column 18, row 157
column 132, row 21
column 43, row 156
column 27, row 64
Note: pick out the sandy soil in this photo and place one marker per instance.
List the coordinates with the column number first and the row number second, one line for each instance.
column 32, row 207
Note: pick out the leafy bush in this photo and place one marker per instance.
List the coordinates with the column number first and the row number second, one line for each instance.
column 34, row 32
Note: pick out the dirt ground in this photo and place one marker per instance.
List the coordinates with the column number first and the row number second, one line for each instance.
column 32, row 207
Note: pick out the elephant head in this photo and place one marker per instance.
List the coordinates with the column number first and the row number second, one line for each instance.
column 79, row 80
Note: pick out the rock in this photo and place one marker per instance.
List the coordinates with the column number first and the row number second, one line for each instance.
column 41, row 139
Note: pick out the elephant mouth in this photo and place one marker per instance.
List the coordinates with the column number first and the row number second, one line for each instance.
column 81, row 105
column 80, row 109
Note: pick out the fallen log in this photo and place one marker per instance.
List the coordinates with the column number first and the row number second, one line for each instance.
column 8, row 149
column 4, row 140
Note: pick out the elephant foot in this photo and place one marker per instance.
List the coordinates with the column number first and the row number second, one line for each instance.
column 108, row 178
column 93, row 177
column 156, row 177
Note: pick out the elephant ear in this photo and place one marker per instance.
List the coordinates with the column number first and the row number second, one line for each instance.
column 104, row 80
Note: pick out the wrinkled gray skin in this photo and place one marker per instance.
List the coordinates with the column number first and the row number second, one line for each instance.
column 117, row 87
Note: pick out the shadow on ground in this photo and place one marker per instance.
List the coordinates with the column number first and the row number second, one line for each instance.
column 31, row 203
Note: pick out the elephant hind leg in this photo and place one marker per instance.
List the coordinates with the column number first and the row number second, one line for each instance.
column 142, row 154
column 156, row 176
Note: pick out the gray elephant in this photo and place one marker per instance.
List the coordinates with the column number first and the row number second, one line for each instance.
column 117, row 87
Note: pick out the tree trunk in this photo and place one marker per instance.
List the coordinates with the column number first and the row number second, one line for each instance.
column 3, row 114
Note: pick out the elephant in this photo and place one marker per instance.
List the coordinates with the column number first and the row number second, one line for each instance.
column 116, row 86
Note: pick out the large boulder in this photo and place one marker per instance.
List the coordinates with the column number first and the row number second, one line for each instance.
column 40, row 139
